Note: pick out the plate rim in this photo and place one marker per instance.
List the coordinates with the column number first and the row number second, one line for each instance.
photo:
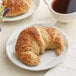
column 6, row 19
column 30, row 24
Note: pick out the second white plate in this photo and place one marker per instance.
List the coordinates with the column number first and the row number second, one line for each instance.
column 33, row 8
column 48, row 59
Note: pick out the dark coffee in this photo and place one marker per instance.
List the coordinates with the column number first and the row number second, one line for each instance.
column 64, row 6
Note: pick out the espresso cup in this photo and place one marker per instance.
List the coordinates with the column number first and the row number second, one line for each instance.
column 60, row 16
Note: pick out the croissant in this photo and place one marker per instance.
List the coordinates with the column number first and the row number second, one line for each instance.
column 34, row 40
column 17, row 7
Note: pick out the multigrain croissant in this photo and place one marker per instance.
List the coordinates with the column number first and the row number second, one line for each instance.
column 16, row 7
column 33, row 41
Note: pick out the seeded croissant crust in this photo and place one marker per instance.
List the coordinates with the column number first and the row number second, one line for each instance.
column 17, row 7
column 33, row 41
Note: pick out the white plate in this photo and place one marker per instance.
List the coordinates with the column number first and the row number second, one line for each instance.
column 33, row 8
column 48, row 59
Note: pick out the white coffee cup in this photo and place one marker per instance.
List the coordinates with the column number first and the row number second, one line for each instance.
column 59, row 16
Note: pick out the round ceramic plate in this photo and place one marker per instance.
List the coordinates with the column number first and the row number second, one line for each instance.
column 48, row 60
column 33, row 8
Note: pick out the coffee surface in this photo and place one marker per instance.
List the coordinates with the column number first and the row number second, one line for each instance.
column 64, row 6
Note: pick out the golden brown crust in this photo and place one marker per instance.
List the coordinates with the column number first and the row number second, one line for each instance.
column 29, row 58
column 33, row 41
column 17, row 7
